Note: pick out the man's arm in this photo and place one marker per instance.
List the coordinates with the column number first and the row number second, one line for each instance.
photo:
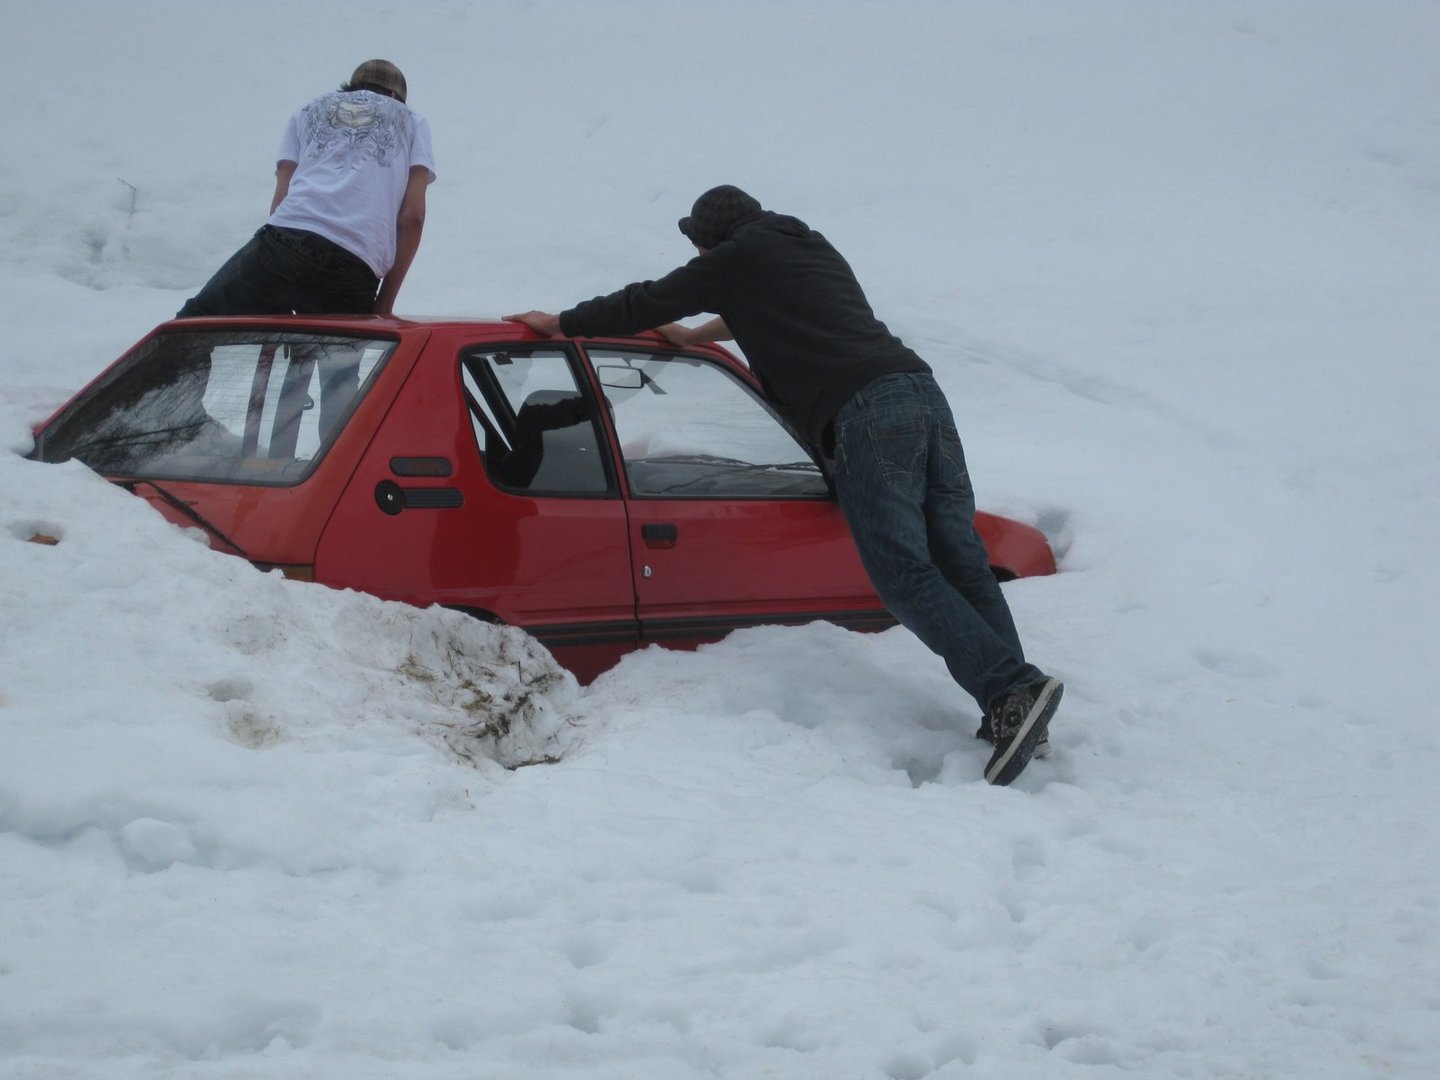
column 409, row 225
column 706, row 332
column 542, row 322
column 643, row 305
column 284, row 170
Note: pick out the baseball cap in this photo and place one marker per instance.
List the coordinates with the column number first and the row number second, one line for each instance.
column 381, row 73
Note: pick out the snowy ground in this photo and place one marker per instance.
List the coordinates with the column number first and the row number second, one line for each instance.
column 1177, row 264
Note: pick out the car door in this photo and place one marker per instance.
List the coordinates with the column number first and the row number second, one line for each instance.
column 556, row 501
column 732, row 522
column 487, row 488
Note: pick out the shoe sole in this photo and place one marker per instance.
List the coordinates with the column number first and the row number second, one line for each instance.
column 1043, row 748
column 1007, row 765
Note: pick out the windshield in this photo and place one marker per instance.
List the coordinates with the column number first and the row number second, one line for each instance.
column 241, row 406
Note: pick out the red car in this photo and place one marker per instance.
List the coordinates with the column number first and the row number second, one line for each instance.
column 601, row 494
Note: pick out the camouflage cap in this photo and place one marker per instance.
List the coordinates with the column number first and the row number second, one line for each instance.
column 381, row 73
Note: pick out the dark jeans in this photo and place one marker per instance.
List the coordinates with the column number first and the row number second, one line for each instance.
column 285, row 270
column 901, row 478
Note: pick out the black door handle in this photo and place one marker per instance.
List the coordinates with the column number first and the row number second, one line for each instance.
column 660, row 536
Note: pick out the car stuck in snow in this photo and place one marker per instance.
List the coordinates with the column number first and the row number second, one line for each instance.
column 601, row 494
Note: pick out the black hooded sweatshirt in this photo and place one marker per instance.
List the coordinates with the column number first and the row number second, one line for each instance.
column 793, row 305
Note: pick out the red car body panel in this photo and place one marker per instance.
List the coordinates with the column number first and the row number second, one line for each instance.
column 402, row 505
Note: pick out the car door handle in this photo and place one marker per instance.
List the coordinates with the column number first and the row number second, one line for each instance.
column 659, row 536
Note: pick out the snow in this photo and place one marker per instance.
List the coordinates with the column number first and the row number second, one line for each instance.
column 1177, row 266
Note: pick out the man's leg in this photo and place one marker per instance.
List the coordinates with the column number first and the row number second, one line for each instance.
column 955, row 544
column 253, row 281
column 884, row 439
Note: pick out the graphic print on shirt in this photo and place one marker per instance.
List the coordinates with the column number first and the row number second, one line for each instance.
column 362, row 127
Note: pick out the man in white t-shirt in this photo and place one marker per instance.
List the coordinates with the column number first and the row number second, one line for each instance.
column 348, row 211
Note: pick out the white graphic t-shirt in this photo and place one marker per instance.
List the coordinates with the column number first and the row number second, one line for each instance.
column 353, row 153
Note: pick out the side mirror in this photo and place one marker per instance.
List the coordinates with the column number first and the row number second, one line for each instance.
column 619, row 377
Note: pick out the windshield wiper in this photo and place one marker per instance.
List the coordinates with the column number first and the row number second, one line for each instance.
column 189, row 511
column 699, row 459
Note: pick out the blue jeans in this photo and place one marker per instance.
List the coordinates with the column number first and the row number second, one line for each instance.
column 902, row 483
column 285, row 270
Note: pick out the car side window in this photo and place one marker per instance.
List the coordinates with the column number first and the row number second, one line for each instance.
column 534, row 424
column 690, row 428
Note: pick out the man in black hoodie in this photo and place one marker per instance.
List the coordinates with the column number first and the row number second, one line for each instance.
column 862, row 397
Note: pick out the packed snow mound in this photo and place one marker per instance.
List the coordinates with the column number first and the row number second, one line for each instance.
column 266, row 661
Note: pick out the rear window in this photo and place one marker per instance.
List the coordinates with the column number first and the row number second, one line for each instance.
column 245, row 407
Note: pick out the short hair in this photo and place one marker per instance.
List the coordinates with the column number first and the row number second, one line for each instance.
column 346, row 88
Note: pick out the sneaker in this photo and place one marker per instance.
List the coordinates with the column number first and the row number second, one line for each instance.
column 987, row 734
column 1018, row 723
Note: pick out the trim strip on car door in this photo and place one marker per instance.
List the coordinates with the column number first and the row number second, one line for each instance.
column 660, row 630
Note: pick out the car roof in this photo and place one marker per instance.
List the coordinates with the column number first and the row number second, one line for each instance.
column 487, row 327
column 389, row 322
